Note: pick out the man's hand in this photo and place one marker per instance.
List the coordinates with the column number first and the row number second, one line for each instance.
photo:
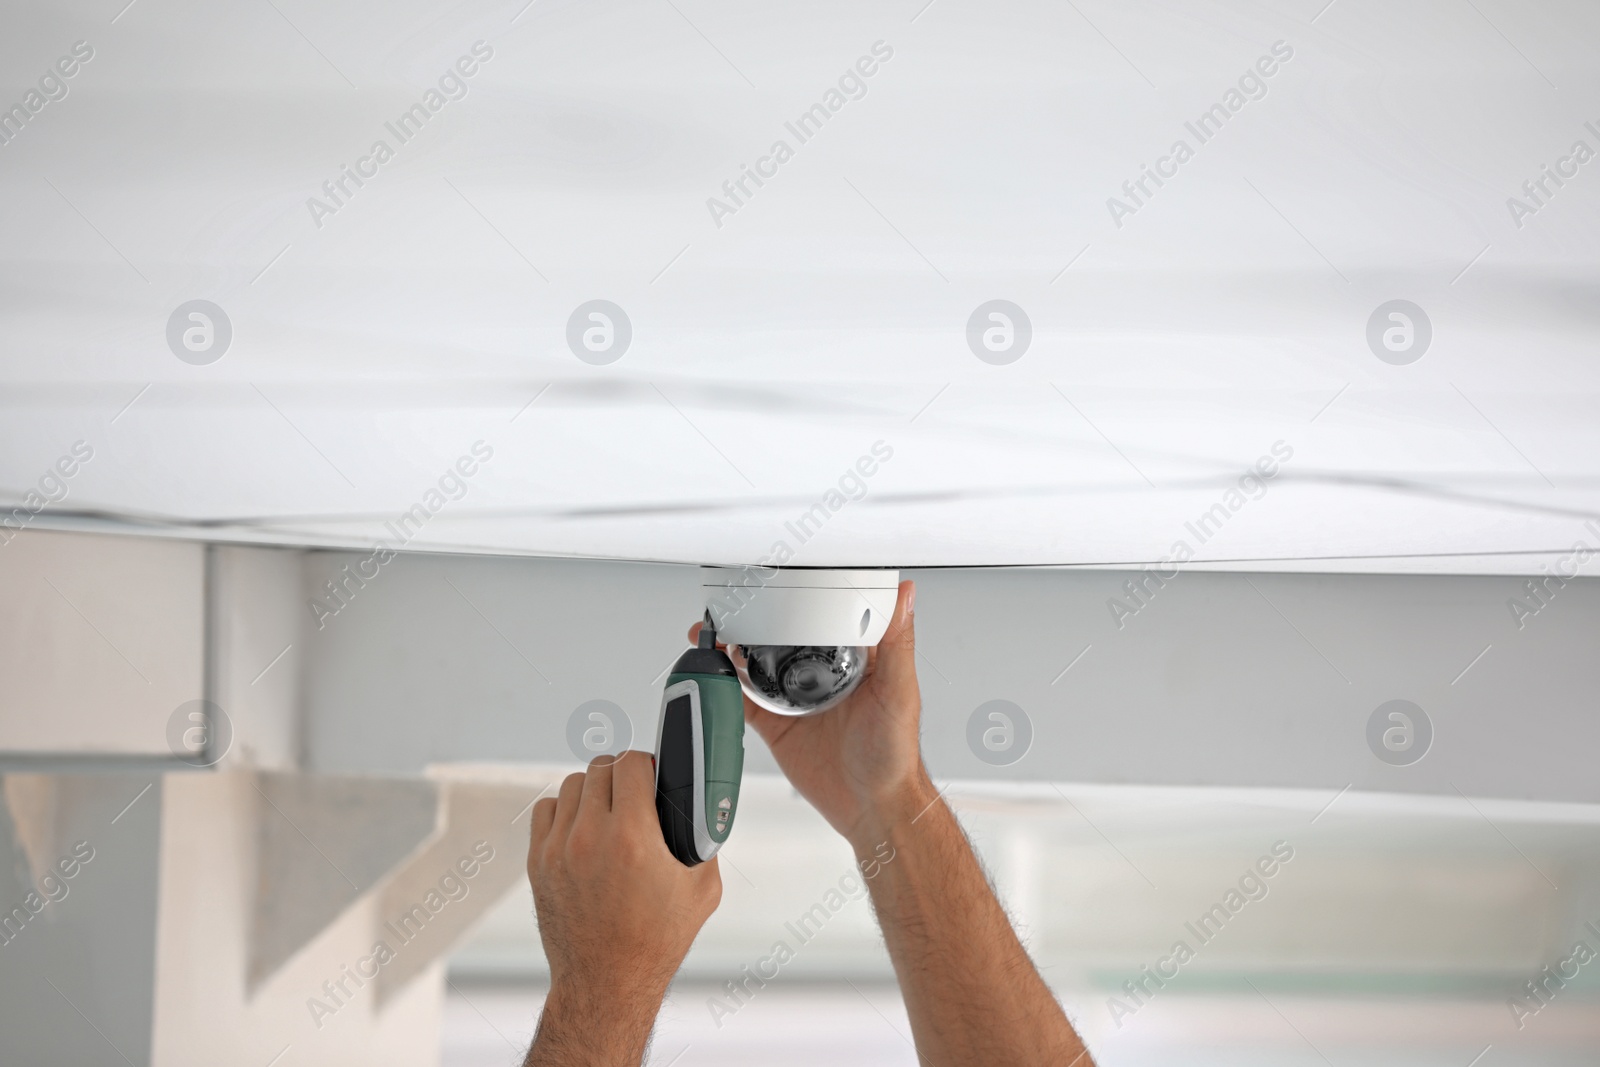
column 972, row 994
column 859, row 763
column 617, row 913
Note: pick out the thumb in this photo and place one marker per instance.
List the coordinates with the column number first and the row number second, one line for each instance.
column 707, row 877
column 896, row 667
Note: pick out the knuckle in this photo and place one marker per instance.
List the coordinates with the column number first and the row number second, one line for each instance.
column 582, row 853
column 629, row 848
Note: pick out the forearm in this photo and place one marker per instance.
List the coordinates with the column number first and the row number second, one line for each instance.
column 972, row 993
column 600, row 1028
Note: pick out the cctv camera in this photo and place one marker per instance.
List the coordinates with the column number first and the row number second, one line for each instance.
column 800, row 635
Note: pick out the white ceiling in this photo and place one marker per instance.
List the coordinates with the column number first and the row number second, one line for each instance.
column 769, row 353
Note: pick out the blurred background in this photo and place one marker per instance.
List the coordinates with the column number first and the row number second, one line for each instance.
column 246, row 862
column 373, row 379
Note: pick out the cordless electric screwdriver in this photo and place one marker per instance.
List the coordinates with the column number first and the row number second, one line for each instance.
column 699, row 751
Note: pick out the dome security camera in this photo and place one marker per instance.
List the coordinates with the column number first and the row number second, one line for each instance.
column 799, row 639
column 800, row 635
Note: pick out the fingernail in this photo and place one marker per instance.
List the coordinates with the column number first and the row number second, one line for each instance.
column 911, row 600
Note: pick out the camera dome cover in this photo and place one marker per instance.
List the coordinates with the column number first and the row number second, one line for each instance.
column 800, row 679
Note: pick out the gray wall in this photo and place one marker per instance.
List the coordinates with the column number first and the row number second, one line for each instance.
column 1222, row 679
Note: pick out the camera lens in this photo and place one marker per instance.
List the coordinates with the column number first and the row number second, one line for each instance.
column 800, row 679
column 809, row 679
